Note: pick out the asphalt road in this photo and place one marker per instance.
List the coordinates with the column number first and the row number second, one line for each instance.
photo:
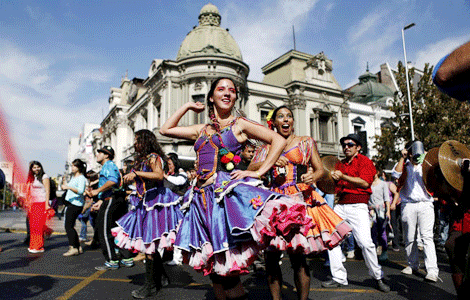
column 49, row 275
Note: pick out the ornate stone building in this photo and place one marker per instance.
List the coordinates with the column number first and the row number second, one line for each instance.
column 305, row 82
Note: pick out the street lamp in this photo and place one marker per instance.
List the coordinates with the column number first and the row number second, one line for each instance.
column 407, row 81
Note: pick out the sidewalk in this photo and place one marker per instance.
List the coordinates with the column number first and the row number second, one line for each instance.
column 11, row 220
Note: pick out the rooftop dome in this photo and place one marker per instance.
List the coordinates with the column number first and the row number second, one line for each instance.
column 209, row 39
column 369, row 89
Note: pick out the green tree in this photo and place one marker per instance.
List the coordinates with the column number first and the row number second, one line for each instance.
column 436, row 117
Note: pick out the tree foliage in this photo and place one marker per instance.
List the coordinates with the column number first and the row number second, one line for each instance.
column 436, row 117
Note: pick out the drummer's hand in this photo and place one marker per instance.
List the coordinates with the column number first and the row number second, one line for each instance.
column 337, row 175
column 465, row 165
column 239, row 174
column 307, row 178
column 281, row 161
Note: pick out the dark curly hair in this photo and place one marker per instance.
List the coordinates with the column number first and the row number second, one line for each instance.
column 149, row 144
column 210, row 105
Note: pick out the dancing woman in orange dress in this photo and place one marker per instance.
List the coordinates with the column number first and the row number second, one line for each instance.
column 288, row 176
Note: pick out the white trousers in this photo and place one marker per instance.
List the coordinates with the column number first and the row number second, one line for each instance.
column 419, row 216
column 357, row 216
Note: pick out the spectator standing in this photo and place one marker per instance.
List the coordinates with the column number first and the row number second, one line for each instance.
column 354, row 176
column 74, row 201
column 417, row 211
column 379, row 210
column 38, row 184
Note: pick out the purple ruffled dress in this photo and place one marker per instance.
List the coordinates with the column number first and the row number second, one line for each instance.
column 152, row 222
column 228, row 222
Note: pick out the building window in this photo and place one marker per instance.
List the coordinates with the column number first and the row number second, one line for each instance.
column 323, row 128
column 199, row 118
column 357, row 129
column 263, row 115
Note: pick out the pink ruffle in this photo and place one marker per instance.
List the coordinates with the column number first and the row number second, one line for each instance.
column 279, row 222
column 230, row 262
column 165, row 242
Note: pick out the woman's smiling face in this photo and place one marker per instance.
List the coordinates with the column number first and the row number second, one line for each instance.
column 225, row 95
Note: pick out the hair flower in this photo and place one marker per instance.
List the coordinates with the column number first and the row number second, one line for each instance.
column 230, row 155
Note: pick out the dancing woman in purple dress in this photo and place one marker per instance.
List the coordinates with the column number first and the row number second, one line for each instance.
column 229, row 216
column 150, row 225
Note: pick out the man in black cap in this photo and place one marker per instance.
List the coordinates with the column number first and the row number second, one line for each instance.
column 353, row 177
column 111, row 206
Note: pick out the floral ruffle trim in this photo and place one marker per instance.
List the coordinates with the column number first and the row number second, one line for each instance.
column 229, row 262
column 164, row 242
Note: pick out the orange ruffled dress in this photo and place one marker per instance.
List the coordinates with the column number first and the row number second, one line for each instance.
column 329, row 229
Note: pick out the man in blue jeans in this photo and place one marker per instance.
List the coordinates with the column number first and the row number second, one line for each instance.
column 111, row 206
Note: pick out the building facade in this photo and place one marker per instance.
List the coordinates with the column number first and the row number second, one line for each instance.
column 304, row 82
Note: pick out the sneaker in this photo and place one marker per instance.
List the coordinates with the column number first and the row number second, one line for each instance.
column 127, row 262
column 331, row 284
column 36, row 250
column 109, row 265
column 408, row 270
column 139, row 257
column 432, row 277
column 350, row 254
column 72, row 251
column 382, row 286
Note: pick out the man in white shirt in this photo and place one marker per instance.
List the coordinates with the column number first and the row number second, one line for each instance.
column 417, row 210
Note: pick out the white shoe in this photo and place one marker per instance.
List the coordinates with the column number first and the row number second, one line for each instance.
column 36, row 251
column 408, row 270
column 432, row 277
column 350, row 254
column 72, row 251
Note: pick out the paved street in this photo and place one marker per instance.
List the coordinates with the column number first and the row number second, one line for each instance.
column 51, row 276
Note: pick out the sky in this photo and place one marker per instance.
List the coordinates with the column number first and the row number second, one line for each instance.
column 59, row 59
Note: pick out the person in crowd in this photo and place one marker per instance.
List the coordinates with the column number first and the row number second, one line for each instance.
column 329, row 229
column 395, row 214
column 443, row 217
column 111, row 205
column 417, row 210
column 2, row 179
column 451, row 74
column 227, row 210
column 177, row 181
column 93, row 181
column 74, row 200
column 38, row 185
column 246, row 155
column 379, row 210
column 84, row 217
column 150, row 226
column 354, row 176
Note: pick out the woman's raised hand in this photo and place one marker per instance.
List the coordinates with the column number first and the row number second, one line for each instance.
column 196, row 106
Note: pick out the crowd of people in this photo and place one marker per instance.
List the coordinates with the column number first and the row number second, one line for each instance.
column 243, row 202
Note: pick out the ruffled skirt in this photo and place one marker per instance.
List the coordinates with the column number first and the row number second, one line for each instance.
column 152, row 222
column 329, row 229
column 228, row 222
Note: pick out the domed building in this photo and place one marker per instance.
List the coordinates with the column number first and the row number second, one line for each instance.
column 303, row 81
